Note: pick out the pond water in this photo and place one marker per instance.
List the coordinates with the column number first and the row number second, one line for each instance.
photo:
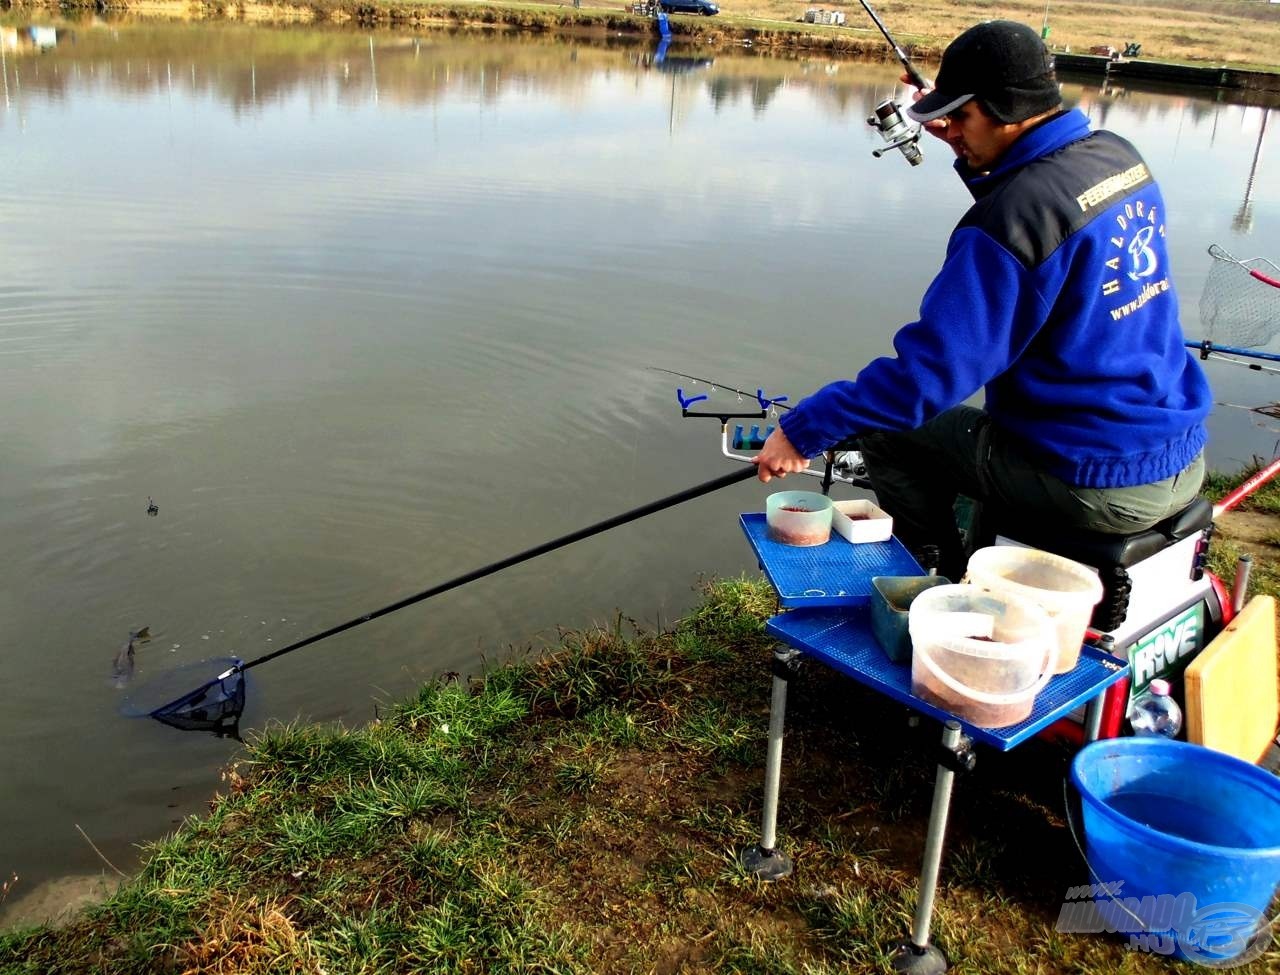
column 360, row 313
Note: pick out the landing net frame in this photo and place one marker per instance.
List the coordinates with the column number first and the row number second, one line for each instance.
column 1240, row 304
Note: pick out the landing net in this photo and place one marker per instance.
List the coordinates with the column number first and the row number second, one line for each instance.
column 1240, row 305
column 214, row 706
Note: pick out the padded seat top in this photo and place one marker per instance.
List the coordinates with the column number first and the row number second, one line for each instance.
column 1102, row 550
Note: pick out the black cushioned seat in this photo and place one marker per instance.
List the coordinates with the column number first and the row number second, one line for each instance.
column 1102, row 550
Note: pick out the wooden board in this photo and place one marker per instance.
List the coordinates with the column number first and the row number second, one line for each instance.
column 1232, row 692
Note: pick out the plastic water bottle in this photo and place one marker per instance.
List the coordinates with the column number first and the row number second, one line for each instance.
column 1156, row 713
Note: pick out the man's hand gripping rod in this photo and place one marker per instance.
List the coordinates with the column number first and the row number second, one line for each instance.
column 839, row 465
column 887, row 118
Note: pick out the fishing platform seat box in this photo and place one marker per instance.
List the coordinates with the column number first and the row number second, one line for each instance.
column 1142, row 573
column 1231, row 690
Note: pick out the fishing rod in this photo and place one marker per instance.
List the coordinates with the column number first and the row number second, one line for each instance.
column 216, row 705
column 887, row 117
column 765, row 402
column 1212, row 350
column 916, row 77
column 1247, row 488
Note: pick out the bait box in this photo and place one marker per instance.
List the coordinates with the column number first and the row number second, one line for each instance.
column 891, row 598
column 861, row 521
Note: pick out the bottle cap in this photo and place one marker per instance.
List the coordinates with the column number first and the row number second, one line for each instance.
column 1159, row 687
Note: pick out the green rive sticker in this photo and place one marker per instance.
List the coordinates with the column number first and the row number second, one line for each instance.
column 1166, row 650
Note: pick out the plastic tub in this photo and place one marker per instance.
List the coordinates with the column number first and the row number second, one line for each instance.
column 1192, row 834
column 798, row 517
column 861, row 521
column 982, row 656
column 1066, row 590
column 891, row 598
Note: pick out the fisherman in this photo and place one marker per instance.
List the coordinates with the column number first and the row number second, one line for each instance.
column 1056, row 297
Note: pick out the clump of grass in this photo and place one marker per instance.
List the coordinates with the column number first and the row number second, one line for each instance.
column 450, row 713
column 733, row 612
column 249, row 934
column 1265, row 499
column 593, row 669
column 725, row 737
column 1226, row 550
column 581, row 775
column 1223, row 561
column 616, row 726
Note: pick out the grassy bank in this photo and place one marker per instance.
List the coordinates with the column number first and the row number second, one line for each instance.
column 582, row 812
column 1253, row 528
column 1230, row 32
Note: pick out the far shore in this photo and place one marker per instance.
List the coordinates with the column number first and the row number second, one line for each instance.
column 1199, row 33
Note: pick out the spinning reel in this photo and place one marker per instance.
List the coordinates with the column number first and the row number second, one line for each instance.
column 893, row 127
column 887, row 118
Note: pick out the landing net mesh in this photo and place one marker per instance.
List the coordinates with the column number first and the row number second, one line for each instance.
column 215, row 704
column 1236, row 308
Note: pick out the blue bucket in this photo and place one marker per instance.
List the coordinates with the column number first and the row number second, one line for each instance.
column 1193, row 837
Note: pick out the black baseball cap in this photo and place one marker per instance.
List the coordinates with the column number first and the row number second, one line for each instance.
column 1003, row 64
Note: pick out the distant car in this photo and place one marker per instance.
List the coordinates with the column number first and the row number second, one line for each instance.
column 704, row 7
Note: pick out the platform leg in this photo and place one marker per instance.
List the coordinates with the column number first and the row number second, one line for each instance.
column 1093, row 718
column 764, row 860
column 916, row 955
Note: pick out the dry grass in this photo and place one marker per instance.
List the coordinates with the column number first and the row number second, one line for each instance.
column 245, row 934
column 1228, row 31
column 1237, row 32
column 1240, row 33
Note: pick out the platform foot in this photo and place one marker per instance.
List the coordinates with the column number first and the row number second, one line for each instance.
column 911, row 958
column 765, row 864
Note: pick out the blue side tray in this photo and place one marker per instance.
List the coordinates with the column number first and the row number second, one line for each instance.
column 837, row 573
column 842, row 639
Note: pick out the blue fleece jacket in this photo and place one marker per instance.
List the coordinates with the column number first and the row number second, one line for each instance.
column 1056, row 297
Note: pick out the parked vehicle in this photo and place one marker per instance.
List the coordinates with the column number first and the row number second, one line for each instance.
column 704, row 7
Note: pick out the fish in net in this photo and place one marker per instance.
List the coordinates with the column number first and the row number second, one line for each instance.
column 214, row 706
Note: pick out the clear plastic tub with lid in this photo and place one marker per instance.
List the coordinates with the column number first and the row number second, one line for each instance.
column 980, row 655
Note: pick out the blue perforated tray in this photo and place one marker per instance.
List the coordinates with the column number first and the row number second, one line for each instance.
column 842, row 639
column 837, row 573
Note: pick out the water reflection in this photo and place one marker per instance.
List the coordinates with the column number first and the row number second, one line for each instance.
column 32, row 38
column 252, row 68
column 1242, row 222
column 361, row 312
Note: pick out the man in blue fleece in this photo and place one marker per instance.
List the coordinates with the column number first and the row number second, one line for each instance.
column 1056, row 298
